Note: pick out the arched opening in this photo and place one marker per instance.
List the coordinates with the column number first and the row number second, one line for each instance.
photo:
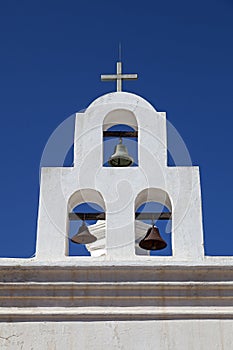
column 86, row 232
column 120, row 139
column 153, row 208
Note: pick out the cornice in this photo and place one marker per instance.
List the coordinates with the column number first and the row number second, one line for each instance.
column 112, row 291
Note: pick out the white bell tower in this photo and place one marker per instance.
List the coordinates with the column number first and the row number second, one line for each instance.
column 120, row 190
column 119, row 297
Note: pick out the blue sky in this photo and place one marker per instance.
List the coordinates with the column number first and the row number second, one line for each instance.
column 52, row 55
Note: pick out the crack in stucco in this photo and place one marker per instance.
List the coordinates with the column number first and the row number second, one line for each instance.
column 10, row 336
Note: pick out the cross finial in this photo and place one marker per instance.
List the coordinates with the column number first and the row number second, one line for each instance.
column 119, row 76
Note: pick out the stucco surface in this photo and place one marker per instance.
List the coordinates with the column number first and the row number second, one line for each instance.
column 120, row 190
column 164, row 335
column 116, row 299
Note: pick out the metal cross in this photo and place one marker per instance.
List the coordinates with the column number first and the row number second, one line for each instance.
column 119, row 76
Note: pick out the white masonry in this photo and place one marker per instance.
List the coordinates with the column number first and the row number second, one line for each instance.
column 117, row 299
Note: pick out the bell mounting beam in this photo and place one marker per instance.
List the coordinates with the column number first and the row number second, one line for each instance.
column 153, row 216
column 138, row 216
column 120, row 134
column 118, row 77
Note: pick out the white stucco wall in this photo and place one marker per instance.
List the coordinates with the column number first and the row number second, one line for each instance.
column 131, row 335
column 116, row 299
column 119, row 188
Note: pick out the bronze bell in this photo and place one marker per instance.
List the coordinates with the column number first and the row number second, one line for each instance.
column 152, row 240
column 120, row 157
column 83, row 236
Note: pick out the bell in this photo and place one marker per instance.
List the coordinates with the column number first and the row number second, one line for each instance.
column 120, row 157
column 83, row 236
column 152, row 240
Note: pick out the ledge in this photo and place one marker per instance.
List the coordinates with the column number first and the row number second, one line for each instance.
column 120, row 313
column 112, row 272
column 137, row 260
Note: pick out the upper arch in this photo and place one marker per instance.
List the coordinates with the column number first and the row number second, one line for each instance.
column 85, row 196
column 120, row 116
column 153, row 195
